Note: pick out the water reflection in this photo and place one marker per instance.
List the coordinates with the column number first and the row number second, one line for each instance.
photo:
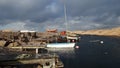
column 63, row 52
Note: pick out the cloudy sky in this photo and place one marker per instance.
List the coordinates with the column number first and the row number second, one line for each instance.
column 40, row 15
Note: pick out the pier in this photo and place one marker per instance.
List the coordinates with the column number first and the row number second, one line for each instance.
column 28, row 60
column 29, row 47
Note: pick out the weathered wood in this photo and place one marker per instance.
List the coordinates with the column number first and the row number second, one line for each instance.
column 27, row 47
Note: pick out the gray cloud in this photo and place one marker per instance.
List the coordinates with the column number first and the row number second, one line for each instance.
column 43, row 14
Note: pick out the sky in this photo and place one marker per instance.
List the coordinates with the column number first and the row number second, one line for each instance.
column 40, row 15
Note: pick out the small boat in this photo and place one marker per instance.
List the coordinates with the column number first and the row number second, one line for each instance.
column 72, row 37
column 66, row 41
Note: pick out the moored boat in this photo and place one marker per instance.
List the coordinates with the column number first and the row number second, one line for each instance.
column 65, row 40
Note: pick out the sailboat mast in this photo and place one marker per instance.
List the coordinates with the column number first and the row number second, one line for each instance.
column 65, row 15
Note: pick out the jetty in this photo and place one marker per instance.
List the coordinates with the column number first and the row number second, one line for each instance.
column 24, row 48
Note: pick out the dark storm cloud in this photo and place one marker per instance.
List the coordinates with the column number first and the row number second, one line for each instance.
column 21, row 9
column 103, row 12
column 92, row 7
column 43, row 14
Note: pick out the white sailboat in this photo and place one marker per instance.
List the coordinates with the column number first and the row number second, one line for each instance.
column 66, row 44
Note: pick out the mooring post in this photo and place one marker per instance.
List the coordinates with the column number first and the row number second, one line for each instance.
column 36, row 50
column 39, row 66
column 21, row 48
column 54, row 62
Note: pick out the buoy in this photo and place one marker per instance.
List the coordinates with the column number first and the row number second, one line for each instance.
column 68, row 40
column 106, row 53
column 73, row 40
column 101, row 42
column 77, row 47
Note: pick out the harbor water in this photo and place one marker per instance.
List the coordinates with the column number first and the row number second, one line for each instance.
column 93, row 52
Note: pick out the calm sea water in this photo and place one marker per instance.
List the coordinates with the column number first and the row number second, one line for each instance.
column 94, row 52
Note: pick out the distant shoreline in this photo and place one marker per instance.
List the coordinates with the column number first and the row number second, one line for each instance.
column 114, row 32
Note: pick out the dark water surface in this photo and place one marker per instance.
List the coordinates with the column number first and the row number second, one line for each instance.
column 94, row 52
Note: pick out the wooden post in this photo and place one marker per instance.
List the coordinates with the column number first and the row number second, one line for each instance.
column 39, row 66
column 54, row 63
column 36, row 50
column 21, row 48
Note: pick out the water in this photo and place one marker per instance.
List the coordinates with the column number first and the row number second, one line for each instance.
column 92, row 53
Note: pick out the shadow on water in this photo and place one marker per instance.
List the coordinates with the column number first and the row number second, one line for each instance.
column 63, row 52
column 92, row 53
column 20, row 66
column 16, row 61
column 19, row 59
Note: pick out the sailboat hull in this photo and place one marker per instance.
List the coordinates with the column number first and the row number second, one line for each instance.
column 61, row 45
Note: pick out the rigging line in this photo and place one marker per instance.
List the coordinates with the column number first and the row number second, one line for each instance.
column 65, row 14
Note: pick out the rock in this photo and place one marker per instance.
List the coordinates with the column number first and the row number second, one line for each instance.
column 2, row 43
column 13, row 44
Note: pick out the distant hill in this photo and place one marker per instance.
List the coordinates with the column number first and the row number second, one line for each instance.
column 105, row 32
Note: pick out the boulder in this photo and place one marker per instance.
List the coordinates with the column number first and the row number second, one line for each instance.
column 2, row 43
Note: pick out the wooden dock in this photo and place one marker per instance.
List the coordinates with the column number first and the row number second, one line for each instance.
column 29, row 47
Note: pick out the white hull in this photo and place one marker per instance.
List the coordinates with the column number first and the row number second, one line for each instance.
column 68, row 37
column 61, row 45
